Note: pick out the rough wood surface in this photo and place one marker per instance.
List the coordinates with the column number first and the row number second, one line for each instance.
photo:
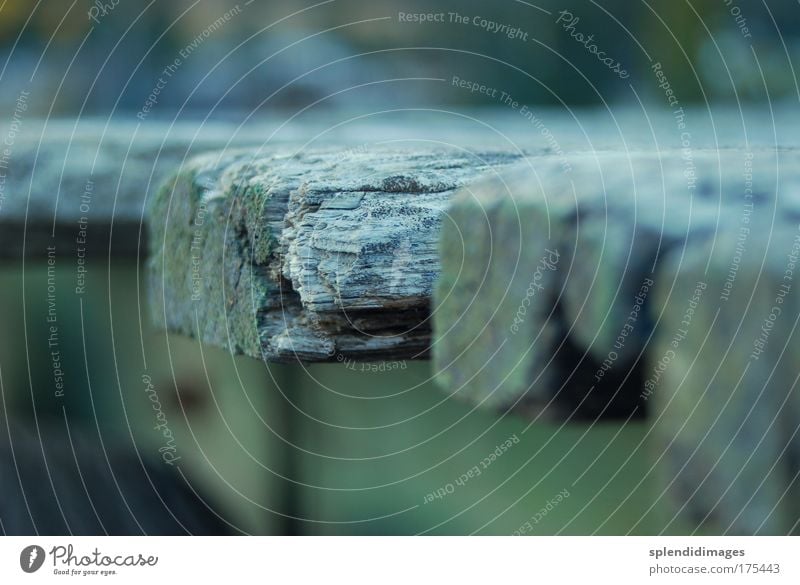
column 46, row 166
column 318, row 255
column 561, row 263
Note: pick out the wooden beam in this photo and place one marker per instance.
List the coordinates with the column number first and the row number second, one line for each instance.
column 623, row 284
column 547, row 271
column 318, row 255
column 58, row 172
column 84, row 184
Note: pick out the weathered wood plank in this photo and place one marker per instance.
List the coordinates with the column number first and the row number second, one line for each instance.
column 317, row 255
column 327, row 255
column 546, row 273
column 69, row 181
column 55, row 173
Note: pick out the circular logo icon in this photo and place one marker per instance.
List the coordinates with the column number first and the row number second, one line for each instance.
column 31, row 558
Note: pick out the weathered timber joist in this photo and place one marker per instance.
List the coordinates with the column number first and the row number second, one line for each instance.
column 323, row 253
column 58, row 172
column 317, row 255
column 67, row 180
column 649, row 282
column 546, row 272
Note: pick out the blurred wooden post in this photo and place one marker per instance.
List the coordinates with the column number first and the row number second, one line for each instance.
column 628, row 285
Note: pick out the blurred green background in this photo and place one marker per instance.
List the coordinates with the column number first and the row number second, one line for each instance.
column 325, row 449
column 304, row 51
